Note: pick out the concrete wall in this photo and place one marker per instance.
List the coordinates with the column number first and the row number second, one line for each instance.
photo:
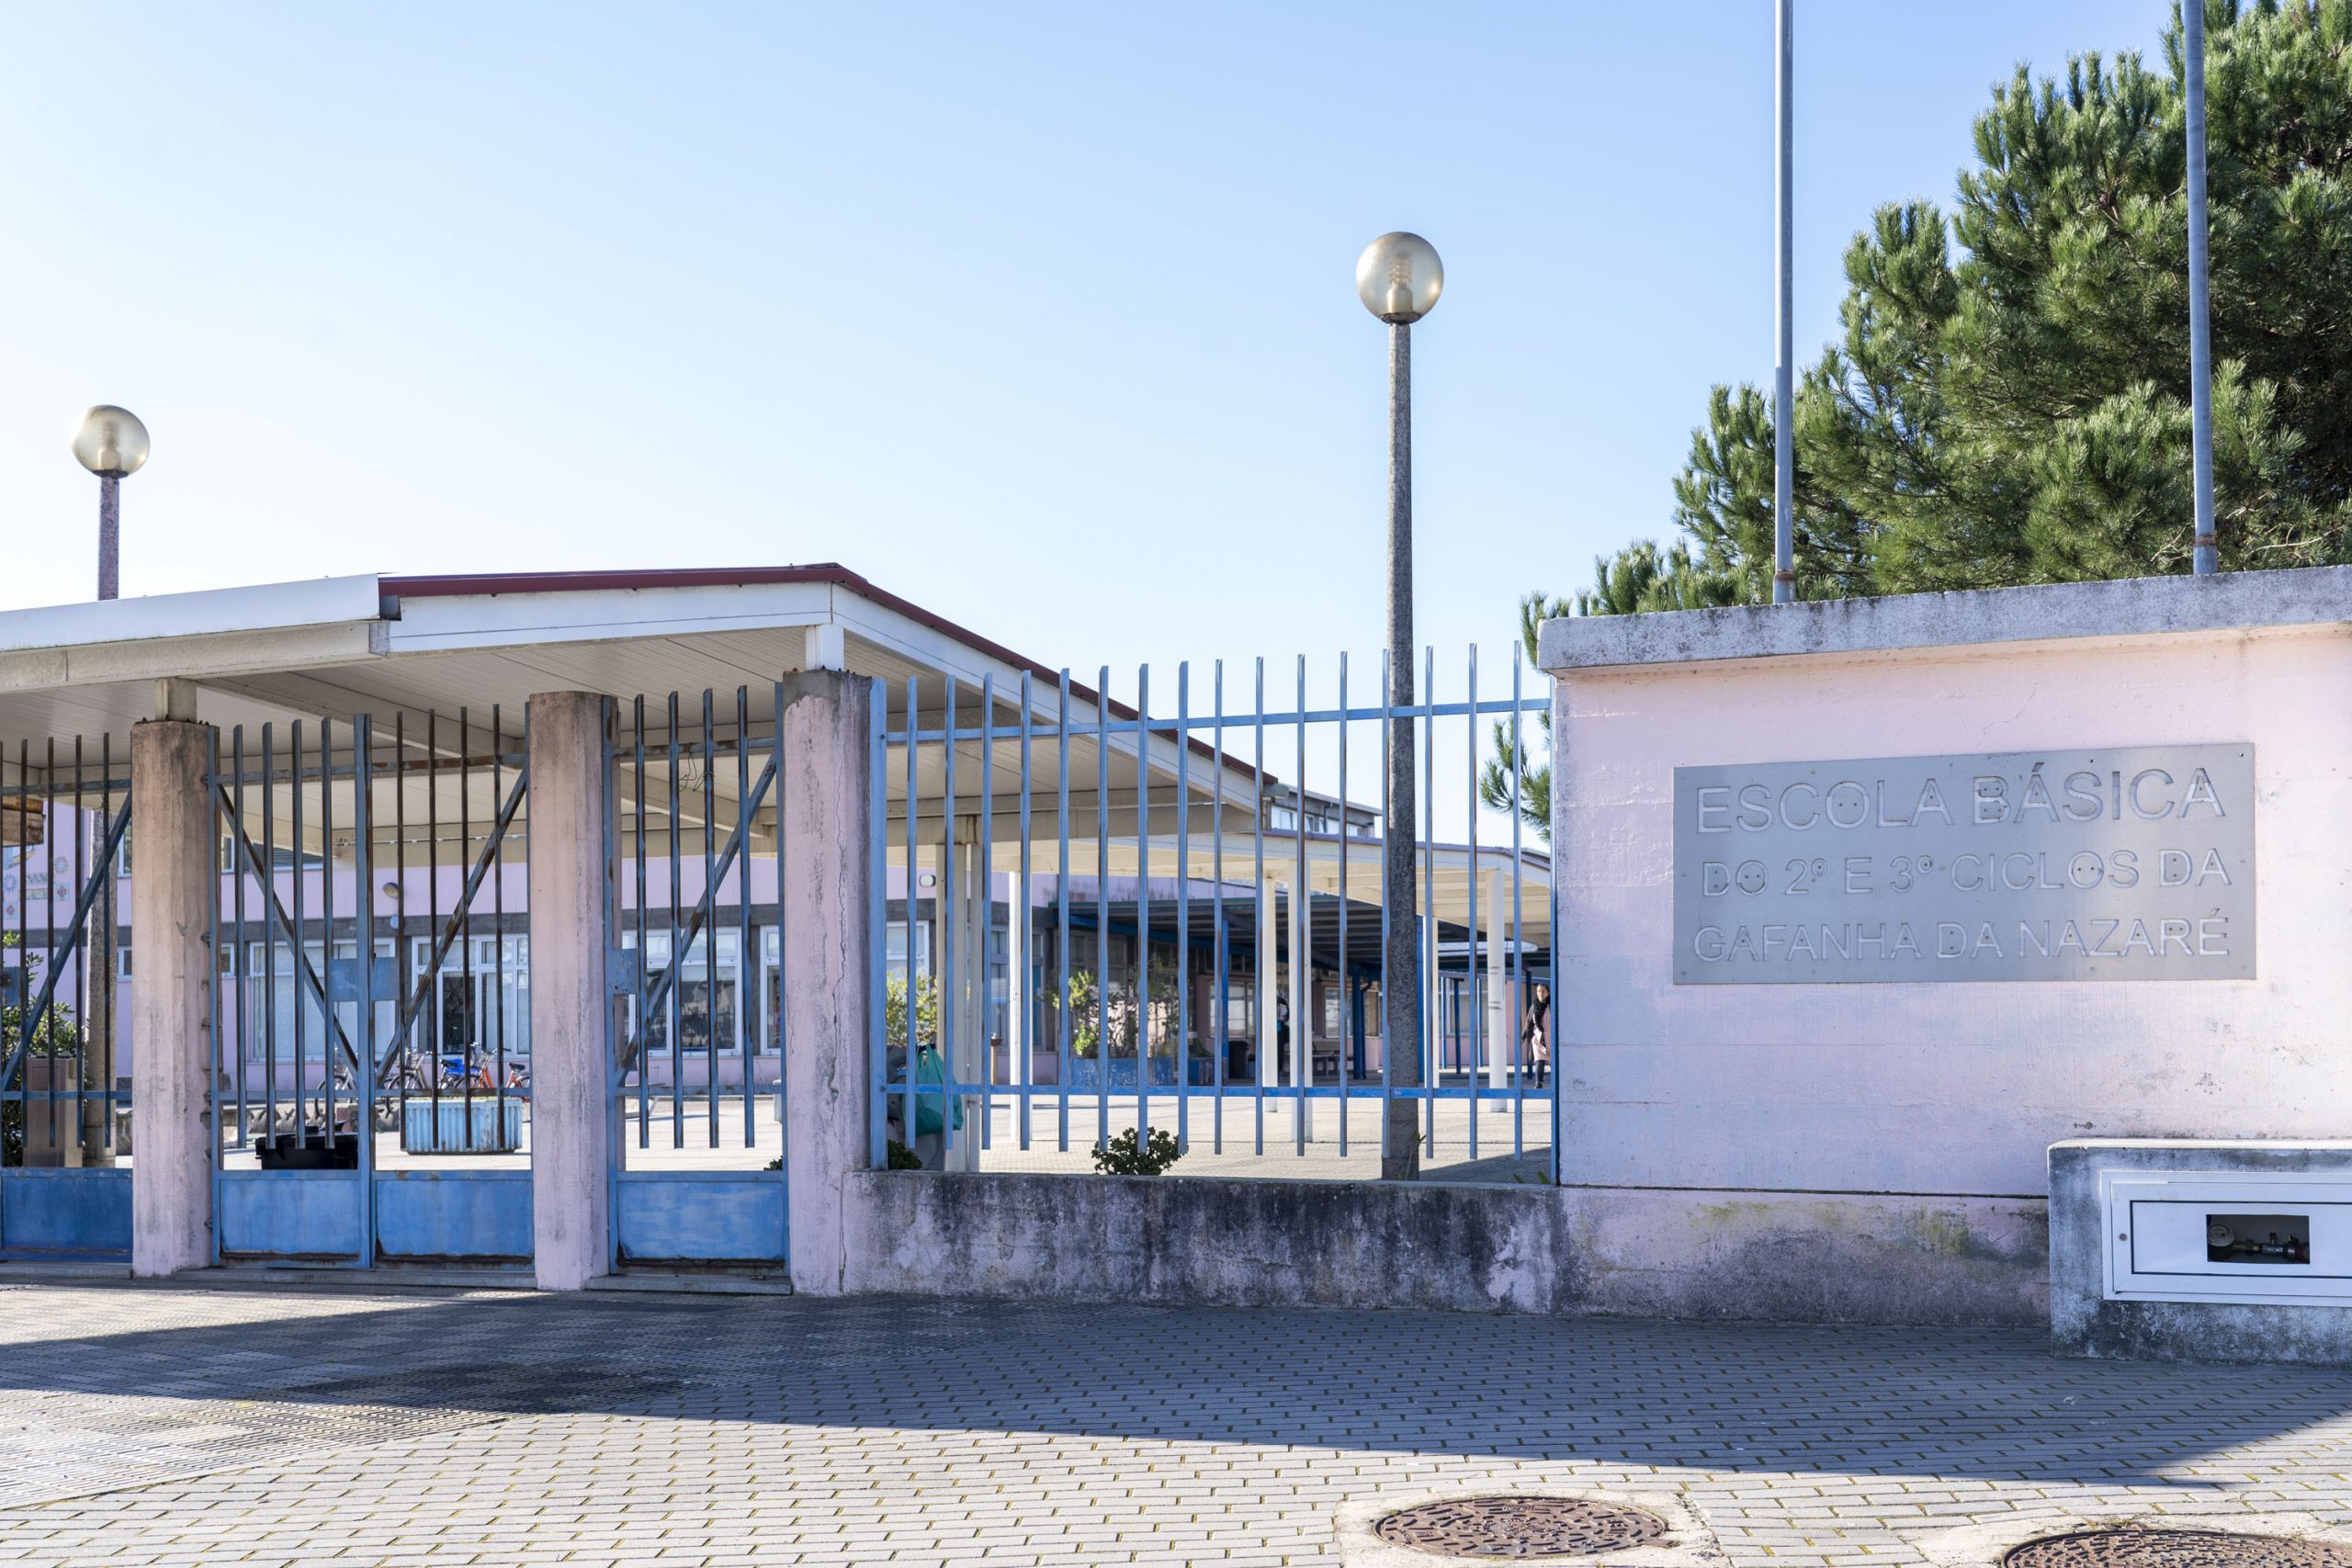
column 1862, row 1131
column 1184, row 1240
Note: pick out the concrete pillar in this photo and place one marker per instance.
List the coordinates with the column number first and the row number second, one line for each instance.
column 172, row 903
column 828, row 952
column 1502, row 1041
column 572, row 1000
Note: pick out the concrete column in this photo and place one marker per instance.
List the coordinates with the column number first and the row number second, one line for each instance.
column 172, row 903
column 571, row 1000
column 828, row 951
column 1502, row 1039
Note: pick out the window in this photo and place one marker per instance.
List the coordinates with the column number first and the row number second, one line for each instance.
column 702, row 1002
column 894, row 947
column 481, row 996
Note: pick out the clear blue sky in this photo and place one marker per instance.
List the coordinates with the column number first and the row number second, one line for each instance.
column 1040, row 315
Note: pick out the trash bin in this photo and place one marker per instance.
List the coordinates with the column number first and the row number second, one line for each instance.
column 312, row 1149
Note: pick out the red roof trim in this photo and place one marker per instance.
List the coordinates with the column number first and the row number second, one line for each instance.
column 474, row 584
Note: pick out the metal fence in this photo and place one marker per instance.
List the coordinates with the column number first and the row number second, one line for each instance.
column 64, row 818
column 1097, row 918
column 371, row 940
column 699, row 864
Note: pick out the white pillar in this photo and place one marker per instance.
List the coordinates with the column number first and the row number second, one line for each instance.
column 828, row 961
column 172, row 905
column 572, row 1000
column 1502, row 1015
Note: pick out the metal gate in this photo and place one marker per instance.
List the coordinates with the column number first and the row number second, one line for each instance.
column 697, row 1081
column 371, row 1015
column 64, row 1087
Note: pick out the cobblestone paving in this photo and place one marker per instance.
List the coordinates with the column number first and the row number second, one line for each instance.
column 178, row 1426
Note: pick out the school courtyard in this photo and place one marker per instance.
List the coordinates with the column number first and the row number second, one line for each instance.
column 181, row 1424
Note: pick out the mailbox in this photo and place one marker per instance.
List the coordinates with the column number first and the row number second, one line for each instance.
column 2242, row 1236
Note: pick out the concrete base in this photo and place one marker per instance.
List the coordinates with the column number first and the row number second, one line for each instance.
column 2083, row 1323
column 1176, row 1240
column 1812, row 1257
column 1179, row 1240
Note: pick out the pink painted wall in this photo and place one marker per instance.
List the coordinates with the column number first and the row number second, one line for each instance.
column 1944, row 1088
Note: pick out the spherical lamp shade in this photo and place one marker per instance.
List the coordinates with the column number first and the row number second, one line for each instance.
column 110, row 441
column 1398, row 278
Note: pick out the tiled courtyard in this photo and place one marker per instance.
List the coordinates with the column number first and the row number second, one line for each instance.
column 179, row 1424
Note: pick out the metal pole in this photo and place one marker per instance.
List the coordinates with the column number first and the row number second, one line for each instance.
column 1784, row 462
column 2207, row 559
column 1400, row 1145
column 98, row 936
column 109, row 536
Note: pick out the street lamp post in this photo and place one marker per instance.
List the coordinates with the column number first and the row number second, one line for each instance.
column 110, row 443
column 2204, row 560
column 1398, row 278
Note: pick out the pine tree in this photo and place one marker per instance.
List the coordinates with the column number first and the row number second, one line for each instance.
column 2008, row 398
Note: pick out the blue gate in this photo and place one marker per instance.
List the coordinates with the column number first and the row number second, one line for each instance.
column 63, row 1093
column 697, row 1079
column 371, row 1019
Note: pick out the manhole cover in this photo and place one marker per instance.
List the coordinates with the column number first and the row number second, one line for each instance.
column 1520, row 1526
column 2174, row 1549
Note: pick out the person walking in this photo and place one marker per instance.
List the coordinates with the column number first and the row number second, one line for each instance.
column 1535, row 1034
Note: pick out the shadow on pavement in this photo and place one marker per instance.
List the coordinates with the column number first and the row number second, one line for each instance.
column 1984, row 1404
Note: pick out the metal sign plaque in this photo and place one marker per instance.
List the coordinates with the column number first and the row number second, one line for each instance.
column 2133, row 864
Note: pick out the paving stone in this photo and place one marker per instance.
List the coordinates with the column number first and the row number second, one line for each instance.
column 169, row 1425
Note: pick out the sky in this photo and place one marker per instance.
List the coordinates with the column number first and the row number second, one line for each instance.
column 1041, row 316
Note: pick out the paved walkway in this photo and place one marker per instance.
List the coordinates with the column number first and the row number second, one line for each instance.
column 185, row 1425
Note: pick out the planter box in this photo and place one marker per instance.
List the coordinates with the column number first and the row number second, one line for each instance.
column 488, row 1125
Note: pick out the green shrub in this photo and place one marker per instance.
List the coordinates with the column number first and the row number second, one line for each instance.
column 1122, row 1158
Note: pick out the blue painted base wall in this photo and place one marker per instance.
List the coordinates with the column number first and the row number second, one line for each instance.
column 84, row 1215
column 469, row 1216
column 702, row 1216
column 422, row 1216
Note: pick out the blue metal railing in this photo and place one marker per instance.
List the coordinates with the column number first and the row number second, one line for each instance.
column 1144, row 926
column 66, row 815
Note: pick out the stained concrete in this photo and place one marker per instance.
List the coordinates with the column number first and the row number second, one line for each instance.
column 571, row 1000
column 2083, row 1323
column 1790, row 1257
column 1811, row 1258
column 171, row 995
column 827, row 795
column 1192, row 1241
